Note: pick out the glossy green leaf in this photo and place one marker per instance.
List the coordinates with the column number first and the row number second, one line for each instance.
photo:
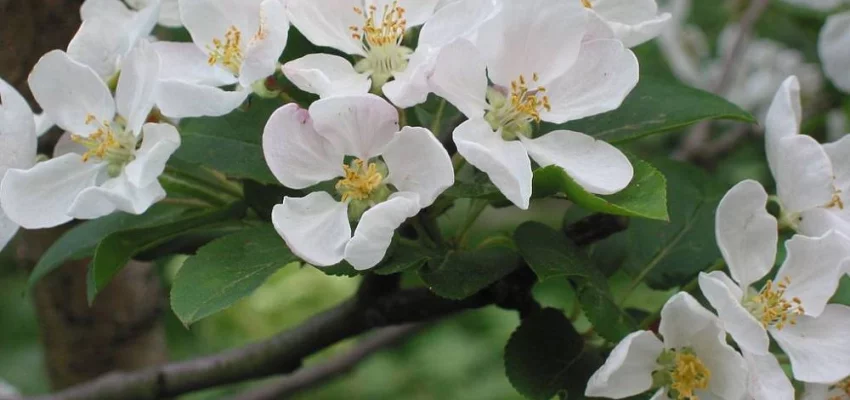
column 81, row 241
column 645, row 197
column 656, row 106
column 539, row 354
column 231, row 144
column 464, row 273
column 405, row 255
column 227, row 270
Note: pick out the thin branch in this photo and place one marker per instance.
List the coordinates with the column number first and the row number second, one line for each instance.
column 309, row 378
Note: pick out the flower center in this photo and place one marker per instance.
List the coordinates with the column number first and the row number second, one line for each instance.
column 772, row 308
column 360, row 181
column 228, row 52
column 586, row 3
column 110, row 143
column 381, row 36
column 682, row 372
column 836, row 201
column 515, row 112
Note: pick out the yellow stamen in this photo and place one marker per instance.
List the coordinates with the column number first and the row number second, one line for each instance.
column 228, row 53
column 772, row 308
column 528, row 102
column 100, row 142
column 689, row 374
column 836, row 201
column 586, row 3
column 360, row 180
column 380, row 30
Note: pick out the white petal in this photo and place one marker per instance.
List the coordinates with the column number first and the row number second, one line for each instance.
column 116, row 194
column 506, row 163
column 819, row 348
column 67, row 145
column 376, row 228
column 819, row 221
column 813, row 266
column 457, row 20
column 97, row 46
column 109, row 9
column 600, row 79
column 43, row 123
column 783, row 119
column 594, row 164
column 18, row 141
column 327, row 22
column 746, row 233
column 411, row 87
column 209, row 20
column 634, row 22
column 159, row 142
column 69, row 91
column 187, row 63
column 169, row 14
column 540, row 37
column 767, row 379
column 628, row 369
column 266, row 48
column 326, row 75
column 297, row 156
column 418, row 163
column 136, row 89
column 41, row 196
column 726, row 300
column 177, row 99
column 359, row 126
column 315, row 227
column 803, row 174
column 728, row 368
column 681, row 318
column 460, row 77
column 833, row 43
column 416, row 12
column 839, row 155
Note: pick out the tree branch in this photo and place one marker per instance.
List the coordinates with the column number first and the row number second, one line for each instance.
column 309, row 378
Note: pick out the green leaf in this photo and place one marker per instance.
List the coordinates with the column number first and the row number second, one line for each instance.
column 668, row 254
column 405, row 255
column 464, row 273
column 550, row 254
column 116, row 249
column 645, row 197
column 474, row 190
column 227, row 270
column 231, row 144
column 656, row 106
column 81, row 241
column 539, row 354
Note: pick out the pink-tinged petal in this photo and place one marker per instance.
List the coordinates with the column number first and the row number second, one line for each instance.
column 595, row 164
column 726, row 299
column 41, row 196
column 315, row 227
column 266, row 47
column 600, row 79
column 359, row 126
column 818, row 347
column 418, row 163
column 159, row 142
column 326, row 75
column 460, row 77
column 69, row 92
column 506, row 163
column 376, row 228
column 746, row 233
column 812, row 269
column 297, row 156
column 628, row 369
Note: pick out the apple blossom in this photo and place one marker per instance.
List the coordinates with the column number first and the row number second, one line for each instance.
column 109, row 32
column 235, row 42
column 633, row 21
column 792, row 306
column 108, row 169
column 169, row 11
column 766, row 378
column 561, row 77
column 832, row 46
column 692, row 361
column 812, row 180
column 17, row 145
column 393, row 174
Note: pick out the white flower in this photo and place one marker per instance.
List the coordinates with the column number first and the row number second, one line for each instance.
column 693, row 361
column 169, row 11
column 831, row 391
column 767, row 379
column 633, row 21
column 108, row 170
column 833, row 43
column 812, row 180
column 109, row 32
column 17, row 145
column 303, row 148
column 541, row 69
column 372, row 30
column 792, row 306
column 235, row 42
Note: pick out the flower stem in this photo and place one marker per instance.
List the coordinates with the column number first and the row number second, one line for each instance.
column 476, row 207
column 438, row 118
